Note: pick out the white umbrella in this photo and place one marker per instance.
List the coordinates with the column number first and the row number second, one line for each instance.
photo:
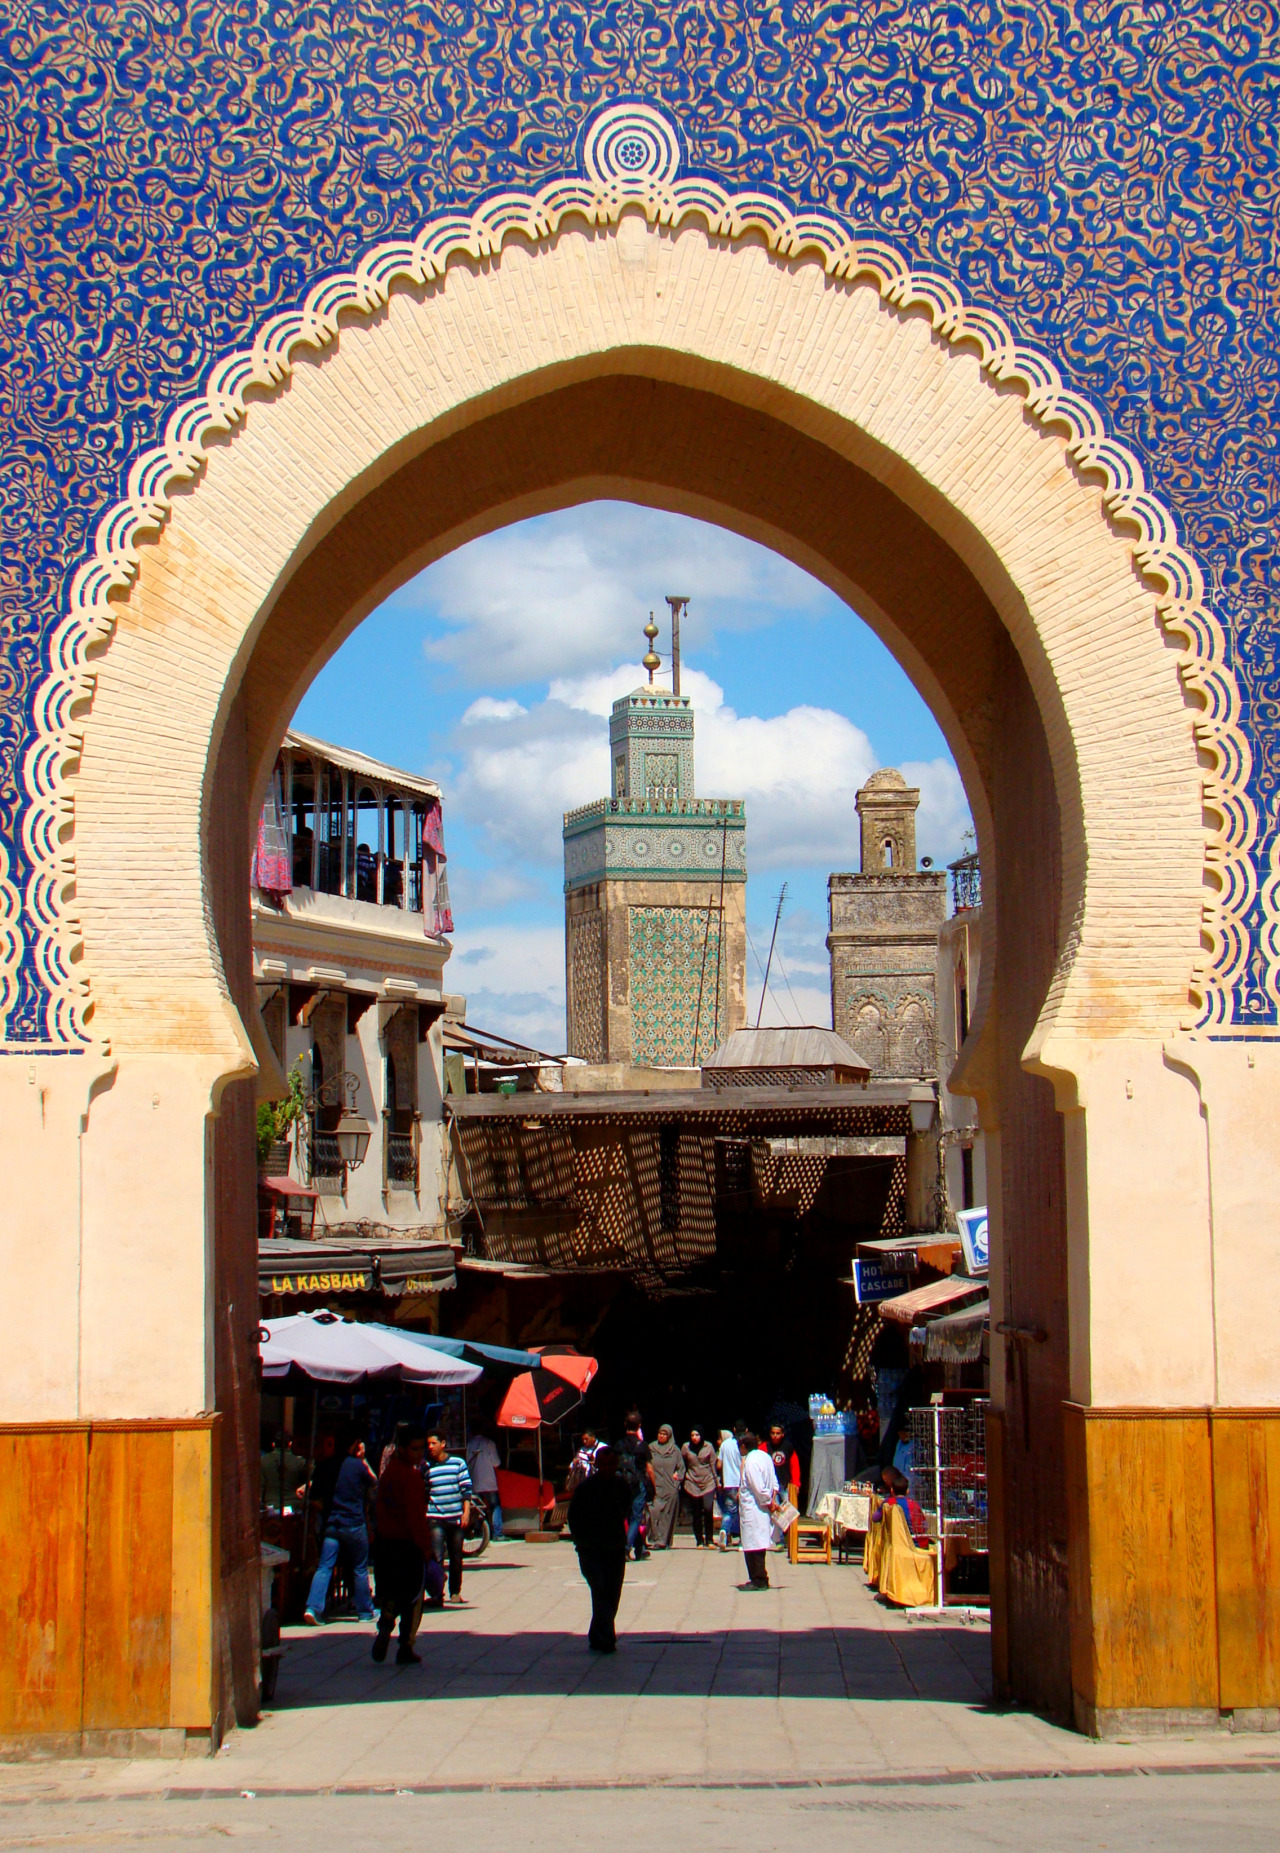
column 333, row 1350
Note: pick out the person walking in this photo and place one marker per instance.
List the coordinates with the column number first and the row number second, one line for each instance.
column 729, row 1468
column 700, row 1486
column 758, row 1500
column 346, row 1534
column 599, row 1518
column 635, row 1470
column 583, row 1464
column 482, row 1465
column 668, row 1473
column 404, row 1544
column 449, row 1492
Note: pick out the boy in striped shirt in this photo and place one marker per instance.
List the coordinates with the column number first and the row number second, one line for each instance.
column 448, row 1507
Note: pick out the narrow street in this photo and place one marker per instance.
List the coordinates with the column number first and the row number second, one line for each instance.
column 741, row 1718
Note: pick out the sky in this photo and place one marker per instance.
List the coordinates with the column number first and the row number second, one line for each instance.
column 494, row 671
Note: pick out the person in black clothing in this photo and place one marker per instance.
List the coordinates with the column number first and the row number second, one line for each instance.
column 598, row 1516
column 635, row 1470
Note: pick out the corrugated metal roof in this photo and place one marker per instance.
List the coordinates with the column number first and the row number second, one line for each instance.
column 952, row 1292
column 805, row 1046
column 362, row 765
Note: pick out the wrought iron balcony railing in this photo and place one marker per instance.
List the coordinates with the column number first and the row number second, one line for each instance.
column 966, row 882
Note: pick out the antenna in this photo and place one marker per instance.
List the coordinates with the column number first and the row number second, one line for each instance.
column 678, row 606
column 769, row 961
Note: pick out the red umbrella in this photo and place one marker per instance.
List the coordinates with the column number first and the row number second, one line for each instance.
column 535, row 1397
column 548, row 1393
column 569, row 1364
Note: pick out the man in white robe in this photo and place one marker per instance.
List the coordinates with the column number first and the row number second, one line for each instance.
column 757, row 1501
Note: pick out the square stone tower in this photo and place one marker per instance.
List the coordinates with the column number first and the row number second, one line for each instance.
column 884, row 938
column 655, row 899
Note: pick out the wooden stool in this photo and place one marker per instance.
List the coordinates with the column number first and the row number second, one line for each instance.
column 809, row 1541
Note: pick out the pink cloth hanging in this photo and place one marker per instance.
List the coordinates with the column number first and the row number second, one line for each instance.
column 272, row 862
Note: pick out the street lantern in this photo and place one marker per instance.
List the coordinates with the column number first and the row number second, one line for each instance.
column 352, row 1134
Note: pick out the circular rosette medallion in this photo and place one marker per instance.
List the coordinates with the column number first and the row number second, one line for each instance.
column 631, row 151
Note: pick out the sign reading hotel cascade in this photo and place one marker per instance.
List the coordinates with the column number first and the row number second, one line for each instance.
column 872, row 1282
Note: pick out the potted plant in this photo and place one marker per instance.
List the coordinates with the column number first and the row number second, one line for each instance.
column 275, row 1119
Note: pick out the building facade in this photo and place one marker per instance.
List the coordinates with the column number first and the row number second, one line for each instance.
column 350, row 925
column 655, row 899
column 344, row 386
column 883, row 939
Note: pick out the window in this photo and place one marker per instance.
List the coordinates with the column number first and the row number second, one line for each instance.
column 888, row 852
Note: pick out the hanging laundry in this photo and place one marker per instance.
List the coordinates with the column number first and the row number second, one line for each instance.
column 272, row 859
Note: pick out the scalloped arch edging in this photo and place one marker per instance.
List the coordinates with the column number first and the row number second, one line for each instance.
column 629, row 162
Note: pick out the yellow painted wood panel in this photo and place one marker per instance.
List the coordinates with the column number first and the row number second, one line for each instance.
column 1151, row 1595
column 128, row 1578
column 43, row 1473
column 1084, row 1659
column 1246, row 1491
column 194, row 1578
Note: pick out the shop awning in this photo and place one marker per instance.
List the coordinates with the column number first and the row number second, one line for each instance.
column 331, row 1267
column 288, row 1187
column 918, row 1306
column 483, row 1354
column 957, row 1337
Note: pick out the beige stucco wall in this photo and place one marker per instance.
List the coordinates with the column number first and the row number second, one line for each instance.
column 874, row 385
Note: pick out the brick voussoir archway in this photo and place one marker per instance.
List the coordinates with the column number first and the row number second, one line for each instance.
column 600, row 195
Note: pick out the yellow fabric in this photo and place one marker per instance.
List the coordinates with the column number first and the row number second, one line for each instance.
column 871, row 1543
column 908, row 1575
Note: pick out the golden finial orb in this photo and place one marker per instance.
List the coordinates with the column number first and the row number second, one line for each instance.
column 651, row 660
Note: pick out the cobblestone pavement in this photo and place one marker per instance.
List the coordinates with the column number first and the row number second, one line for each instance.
column 811, row 1709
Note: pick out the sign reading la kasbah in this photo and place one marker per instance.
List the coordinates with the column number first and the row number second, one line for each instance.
column 321, row 1283
column 1102, row 177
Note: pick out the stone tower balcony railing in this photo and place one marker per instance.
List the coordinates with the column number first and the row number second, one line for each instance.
column 600, row 808
column 966, row 883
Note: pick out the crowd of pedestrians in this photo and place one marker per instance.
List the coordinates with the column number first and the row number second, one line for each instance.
column 408, row 1519
column 625, row 1501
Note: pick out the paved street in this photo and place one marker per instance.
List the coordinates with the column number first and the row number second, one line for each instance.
column 740, row 1718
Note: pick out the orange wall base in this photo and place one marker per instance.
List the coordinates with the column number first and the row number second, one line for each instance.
column 109, row 1579
column 1174, row 1560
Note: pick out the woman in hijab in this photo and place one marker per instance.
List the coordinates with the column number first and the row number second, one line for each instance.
column 668, row 1475
column 700, row 1486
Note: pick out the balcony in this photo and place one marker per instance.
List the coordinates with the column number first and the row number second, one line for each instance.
column 966, row 883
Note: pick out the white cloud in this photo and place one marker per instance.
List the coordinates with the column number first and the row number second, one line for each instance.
column 486, row 708
column 512, row 976
column 799, row 773
column 563, row 593
column 943, row 816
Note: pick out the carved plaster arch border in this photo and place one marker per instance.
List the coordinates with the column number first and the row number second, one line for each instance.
column 630, row 158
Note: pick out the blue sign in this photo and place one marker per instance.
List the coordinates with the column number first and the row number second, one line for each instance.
column 872, row 1282
column 973, row 1239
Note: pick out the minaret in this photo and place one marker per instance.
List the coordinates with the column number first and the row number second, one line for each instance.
column 655, row 895
column 884, row 937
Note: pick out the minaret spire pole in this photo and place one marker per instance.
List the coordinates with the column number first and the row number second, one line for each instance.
column 651, row 660
column 678, row 607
